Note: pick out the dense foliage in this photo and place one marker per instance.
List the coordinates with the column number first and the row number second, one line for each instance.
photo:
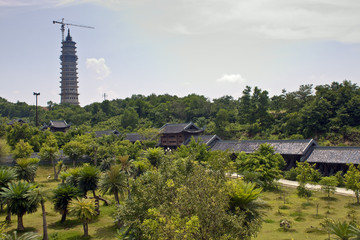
column 180, row 199
column 328, row 113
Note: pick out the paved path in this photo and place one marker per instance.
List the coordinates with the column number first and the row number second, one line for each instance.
column 340, row 191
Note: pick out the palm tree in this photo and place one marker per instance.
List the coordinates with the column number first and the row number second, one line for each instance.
column 126, row 167
column 244, row 196
column 88, row 181
column 41, row 195
column 83, row 209
column 18, row 196
column 342, row 230
column 114, row 182
column 71, row 176
column 26, row 168
column 356, row 231
column 62, row 197
column 6, row 175
column 25, row 236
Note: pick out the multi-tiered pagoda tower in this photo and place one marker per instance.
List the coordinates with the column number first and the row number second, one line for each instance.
column 69, row 80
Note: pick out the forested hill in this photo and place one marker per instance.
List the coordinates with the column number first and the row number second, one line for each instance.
column 327, row 113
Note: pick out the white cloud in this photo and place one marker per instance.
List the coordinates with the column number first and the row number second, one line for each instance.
column 98, row 67
column 278, row 19
column 332, row 20
column 180, row 29
column 25, row 3
column 231, row 78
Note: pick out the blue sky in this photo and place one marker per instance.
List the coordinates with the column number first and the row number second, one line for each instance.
column 208, row 47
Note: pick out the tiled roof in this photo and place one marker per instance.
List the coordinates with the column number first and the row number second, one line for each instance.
column 58, row 124
column 16, row 121
column 209, row 140
column 342, row 155
column 179, row 127
column 133, row 137
column 108, row 132
column 293, row 147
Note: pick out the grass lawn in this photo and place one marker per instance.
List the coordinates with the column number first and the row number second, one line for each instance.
column 302, row 214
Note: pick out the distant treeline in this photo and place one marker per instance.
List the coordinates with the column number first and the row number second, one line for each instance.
column 327, row 113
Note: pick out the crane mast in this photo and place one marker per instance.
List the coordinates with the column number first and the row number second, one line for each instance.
column 68, row 24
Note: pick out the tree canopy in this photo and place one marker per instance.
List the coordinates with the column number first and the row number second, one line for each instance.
column 328, row 113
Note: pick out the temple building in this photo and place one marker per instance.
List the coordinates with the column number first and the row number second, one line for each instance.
column 69, row 80
column 174, row 135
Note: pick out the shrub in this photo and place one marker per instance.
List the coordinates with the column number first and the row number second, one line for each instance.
column 303, row 192
column 291, row 174
column 340, row 178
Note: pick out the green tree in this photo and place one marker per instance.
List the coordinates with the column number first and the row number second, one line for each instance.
column 305, row 172
column 352, row 180
column 26, row 168
column 41, row 195
column 83, row 209
column 244, row 105
column 89, row 181
column 263, row 161
column 50, row 152
column 129, row 119
column 220, row 162
column 342, row 230
column 328, row 185
column 18, row 132
column 151, row 136
column 4, row 148
column 316, row 117
column 151, row 214
column 22, row 150
column 63, row 194
column 245, row 197
column 74, row 150
column 127, row 168
column 18, row 196
column 114, row 182
column 158, row 224
column 196, row 150
column 155, row 155
column 221, row 121
column 92, row 146
column 7, row 175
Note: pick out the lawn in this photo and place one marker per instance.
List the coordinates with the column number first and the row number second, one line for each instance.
column 301, row 213
column 305, row 215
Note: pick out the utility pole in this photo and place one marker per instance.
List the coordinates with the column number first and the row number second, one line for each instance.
column 36, row 113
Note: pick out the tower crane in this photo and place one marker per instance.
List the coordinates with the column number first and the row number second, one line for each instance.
column 69, row 24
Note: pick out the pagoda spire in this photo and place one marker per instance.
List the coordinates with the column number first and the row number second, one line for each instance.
column 68, row 37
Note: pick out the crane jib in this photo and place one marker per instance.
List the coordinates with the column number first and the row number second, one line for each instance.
column 69, row 24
